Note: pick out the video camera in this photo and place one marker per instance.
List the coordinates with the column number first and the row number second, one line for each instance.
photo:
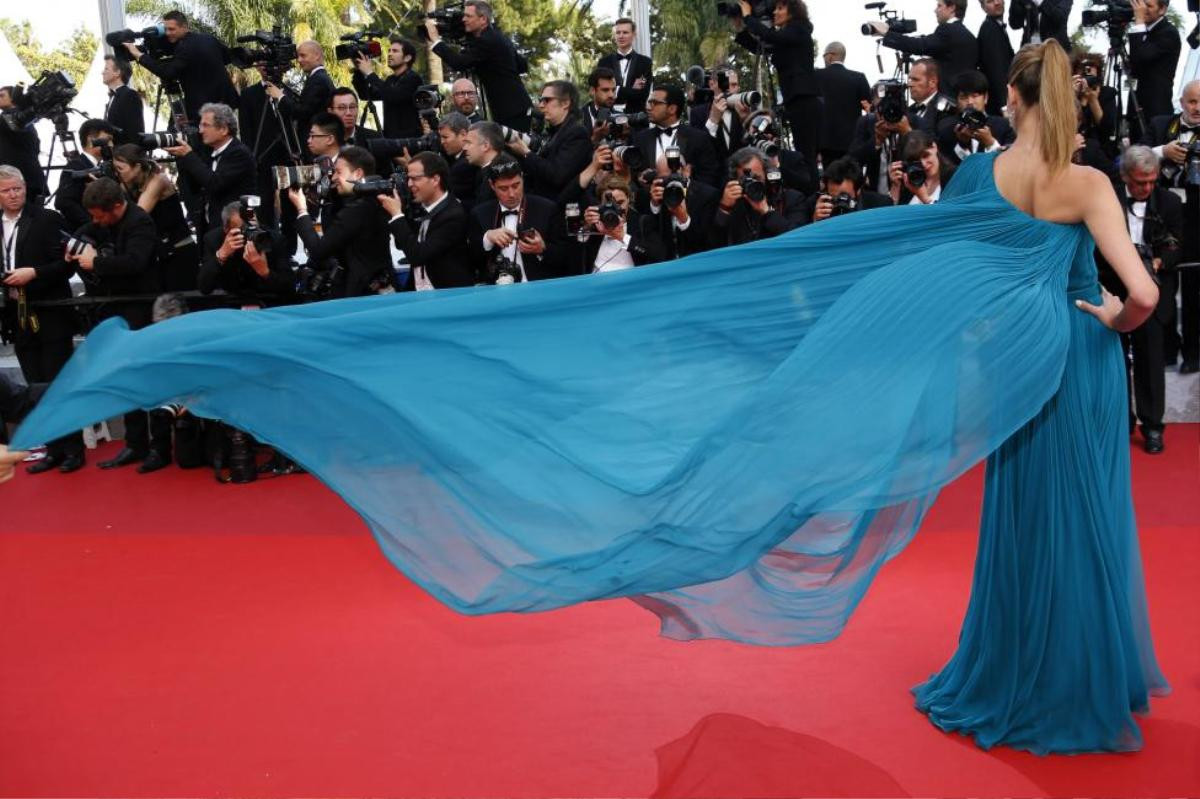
column 894, row 21
column 428, row 101
column 363, row 44
column 153, row 40
column 763, row 9
column 1116, row 15
column 449, row 23
column 45, row 98
column 275, row 52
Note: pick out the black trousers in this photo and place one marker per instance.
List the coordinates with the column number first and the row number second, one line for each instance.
column 1146, row 379
column 41, row 359
column 804, row 116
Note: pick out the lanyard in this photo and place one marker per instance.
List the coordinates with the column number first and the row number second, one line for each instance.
column 8, row 257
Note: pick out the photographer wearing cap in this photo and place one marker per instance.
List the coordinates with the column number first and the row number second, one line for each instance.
column 491, row 56
column 973, row 131
column 245, row 260
column 433, row 238
column 751, row 207
column 789, row 42
column 356, row 237
column 518, row 236
column 396, row 91
column 953, row 46
column 565, row 153
column 1154, row 217
column 844, row 192
column 228, row 170
column 197, row 62
column 32, row 269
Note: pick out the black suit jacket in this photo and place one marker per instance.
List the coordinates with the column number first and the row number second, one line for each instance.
column 867, row 200
column 1049, row 21
column 361, row 136
column 494, row 60
column 540, row 214
column 644, row 245
column 39, row 245
column 995, row 57
column 791, row 51
column 198, row 64
column 797, row 173
column 744, row 224
column 237, row 277
column 696, row 147
column 843, row 90
column 937, row 109
column 235, row 175
column 444, row 253
column 953, row 47
column 1153, row 57
column 124, row 110
column 947, row 141
column 400, row 118
column 565, row 155
column 356, row 237
column 312, row 100
column 68, row 198
column 464, row 178
column 587, row 117
column 701, row 203
column 1163, row 209
column 132, row 269
column 21, row 149
column 258, row 127
column 640, row 66
column 698, row 118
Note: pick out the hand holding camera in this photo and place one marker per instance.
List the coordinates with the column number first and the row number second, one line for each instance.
column 85, row 257
column 501, row 237
column 1176, row 152
column 233, row 242
column 298, row 200
column 392, row 204
column 530, row 242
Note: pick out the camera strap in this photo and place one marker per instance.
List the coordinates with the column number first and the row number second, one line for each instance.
column 8, row 254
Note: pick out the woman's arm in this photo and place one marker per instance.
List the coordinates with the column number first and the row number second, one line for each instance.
column 153, row 191
column 1105, row 220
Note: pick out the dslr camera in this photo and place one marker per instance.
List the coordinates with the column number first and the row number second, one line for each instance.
column 895, row 23
column 252, row 233
column 533, row 141
column 104, row 169
column 449, row 23
column 843, row 204
column 428, row 101
column 1190, row 168
column 502, row 270
column 973, row 119
column 891, row 100
column 397, row 182
column 45, row 98
column 763, row 133
column 914, row 171
column 763, row 9
column 317, row 176
column 364, row 44
column 611, row 214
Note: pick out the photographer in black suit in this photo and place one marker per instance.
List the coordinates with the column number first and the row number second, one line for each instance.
column 565, row 153
column 680, row 210
column 953, row 46
column 518, row 236
column 197, row 62
column 121, row 264
column 1098, row 103
column 21, row 148
column 995, row 53
column 1153, row 58
column 615, row 236
column 665, row 106
column 483, row 143
column 343, row 104
column 1041, row 20
column 357, row 237
column 314, row 96
column 1154, row 217
column 844, row 192
column 602, row 87
column 32, row 269
column 845, row 91
column 452, row 131
column 95, row 138
column 400, row 120
column 959, row 137
column 226, row 173
column 632, row 70
column 124, row 106
column 491, row 56
column 790, row 45
column 257, row 273
column 436, row 242
column 718, row 117
column 748, row 209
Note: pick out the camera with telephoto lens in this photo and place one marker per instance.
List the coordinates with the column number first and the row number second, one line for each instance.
column 1116, row 15
column 315, row 284
column 104, row 169
column 397, row 182
column 763, row 133
column 252, row 233
column 611, row 215
column 317, row 176
column 914, row 171
column 364, row 44
column 428, row 102
column 574, row 219
column 275, row 52
column 763, row 9
column 1190, row 168
column 973, row 119
column 75, row 244
column 532, row 140
column 449, row 23
column 891, row 101
column 675, row 189
column 45, row 98
column 159, row 140
column 153, row 40
column 384, row 150
column 622, row 125
column 502, row 270
column 895, row 23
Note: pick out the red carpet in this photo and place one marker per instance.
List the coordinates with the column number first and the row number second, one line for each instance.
column 167, row 636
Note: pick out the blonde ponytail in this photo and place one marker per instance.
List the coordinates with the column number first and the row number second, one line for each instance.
column 1041, row 74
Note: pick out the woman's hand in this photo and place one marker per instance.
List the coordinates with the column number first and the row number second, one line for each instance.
column 1107, row 311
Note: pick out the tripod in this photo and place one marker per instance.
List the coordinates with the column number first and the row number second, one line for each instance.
column 767, row 87
column 65, row 139
column 1115, row 71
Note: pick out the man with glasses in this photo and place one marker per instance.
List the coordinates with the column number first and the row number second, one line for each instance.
column 356, row 238
column 344, row 106
column 568, row 150
column 400, row 119
column 665, row 106
column 493, row 59
column 464, row 96
column 228, row 170
column 433, row 239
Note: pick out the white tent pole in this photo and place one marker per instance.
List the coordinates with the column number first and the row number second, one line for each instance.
column 112, row 18
column 639, row 11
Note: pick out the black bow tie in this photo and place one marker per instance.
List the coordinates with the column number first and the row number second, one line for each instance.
column 624, row 57
column 507, row 213
column 668, row 131
column 918, row 108
column 112, row 92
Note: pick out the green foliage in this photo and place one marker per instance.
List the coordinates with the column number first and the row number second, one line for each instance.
column 687, row 32
column 73, row 56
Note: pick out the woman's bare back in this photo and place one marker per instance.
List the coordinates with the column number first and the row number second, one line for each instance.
column 1027, row 184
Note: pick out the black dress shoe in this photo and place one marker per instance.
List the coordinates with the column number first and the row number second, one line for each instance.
column 1153, row 442
column 124, row 458
column 153, row 462
column 72, row 463
column 44, row 465
column 1188, row 367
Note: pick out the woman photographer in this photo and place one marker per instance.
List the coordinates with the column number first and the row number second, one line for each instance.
column 791, row 48
column 909, row 187
column 149, row 186
column 1099, row 102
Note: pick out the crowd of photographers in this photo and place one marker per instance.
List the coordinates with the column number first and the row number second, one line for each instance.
column 289, row 192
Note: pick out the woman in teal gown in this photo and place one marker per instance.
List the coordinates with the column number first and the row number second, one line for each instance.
column 738, row 441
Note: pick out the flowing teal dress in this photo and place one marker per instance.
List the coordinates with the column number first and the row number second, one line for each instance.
column 737, row 441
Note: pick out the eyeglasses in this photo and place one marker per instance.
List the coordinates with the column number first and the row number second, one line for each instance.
column 652, row 101
column 345, row 108
column 544, row 100
column 465, row 94
column 412, row 177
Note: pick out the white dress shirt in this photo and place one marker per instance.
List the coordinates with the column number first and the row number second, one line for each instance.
column 613, row 255
column 508, row 220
